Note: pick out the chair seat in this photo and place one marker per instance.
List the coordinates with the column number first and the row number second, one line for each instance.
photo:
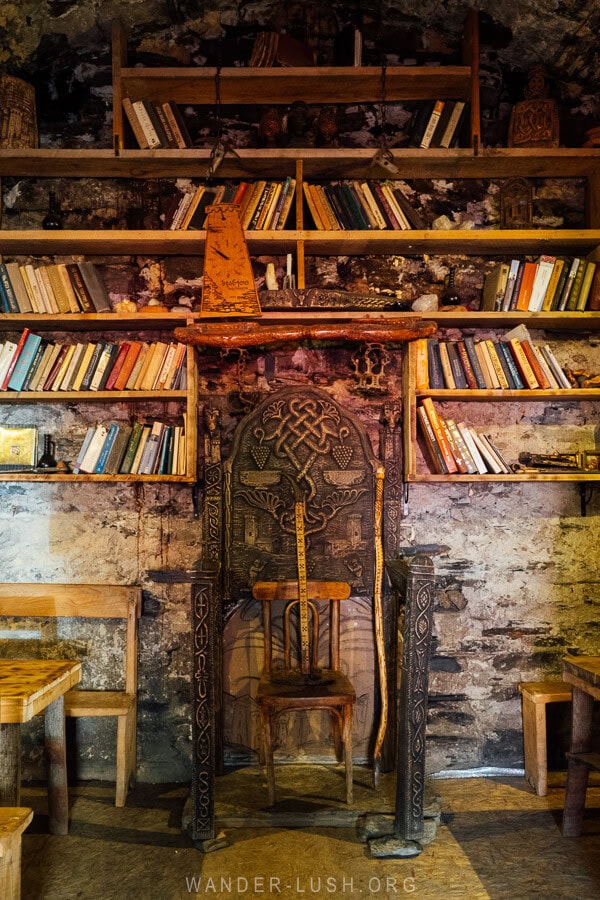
column 98, row 703
column 335, row 688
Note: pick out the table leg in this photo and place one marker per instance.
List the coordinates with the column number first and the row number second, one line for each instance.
column 10, row 764
column 56, row 755
column 577, row 774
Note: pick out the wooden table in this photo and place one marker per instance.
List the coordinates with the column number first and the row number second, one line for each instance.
column 27, row 687
column 583, row 672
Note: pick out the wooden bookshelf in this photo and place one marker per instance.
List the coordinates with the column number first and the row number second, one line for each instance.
column 57, row 477
column 410, row 398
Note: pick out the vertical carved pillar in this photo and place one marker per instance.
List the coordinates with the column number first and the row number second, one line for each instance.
column 390, row 453
column 205, row 612
column 415, row 579
column 212, row 551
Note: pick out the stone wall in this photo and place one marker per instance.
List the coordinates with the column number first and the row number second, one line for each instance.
column 518, row 585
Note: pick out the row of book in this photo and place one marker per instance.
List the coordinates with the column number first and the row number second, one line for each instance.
column 552, row 283
column 139, row 449
column 454, row 448
column 437, row 123
column 35, row 364
column 354, row 205
column 54, row 289
column 157, row 126
column 513, row 364
column 264, row 205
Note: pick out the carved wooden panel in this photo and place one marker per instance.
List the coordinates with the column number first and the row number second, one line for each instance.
column 299, row 436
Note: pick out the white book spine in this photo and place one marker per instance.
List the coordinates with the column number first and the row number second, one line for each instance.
column 94, row 449
column 432, row 124
column 452, row 123
column 475, row 454
column 146, row 125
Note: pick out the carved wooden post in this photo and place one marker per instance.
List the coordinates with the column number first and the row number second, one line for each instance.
column 390, row 453
column 205, row 630
column 212, row 533
column 416, row 578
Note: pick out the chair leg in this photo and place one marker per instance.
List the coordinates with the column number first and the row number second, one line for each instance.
column 534, row 745
column 267, row 735
column 124, row 762
column 336, row 729
column 577, row 773
column 347, row 713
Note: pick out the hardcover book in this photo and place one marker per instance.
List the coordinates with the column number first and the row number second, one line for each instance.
column 18, row 449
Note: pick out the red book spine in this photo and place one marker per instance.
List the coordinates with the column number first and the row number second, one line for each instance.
column 388, row 209
column 16, row 354
column 54, row 371
column 114, row 373
column 466, row 364
column 534, row 363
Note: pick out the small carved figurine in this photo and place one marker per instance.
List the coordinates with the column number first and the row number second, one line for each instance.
column 270, row 127
column 327, row 126
column 534, row 121
column 516, row 204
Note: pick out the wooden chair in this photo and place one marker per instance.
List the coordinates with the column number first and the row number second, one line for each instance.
column 284, row 689
column 535, row 697
column 97, row 601
column 13, row 822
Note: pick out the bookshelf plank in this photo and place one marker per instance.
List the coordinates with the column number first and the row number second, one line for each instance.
column 318, row 163
column 525, row 476
column 331, row 243
column 90, row 396
column 322, row 84
column 55, row 476
column 574, row 394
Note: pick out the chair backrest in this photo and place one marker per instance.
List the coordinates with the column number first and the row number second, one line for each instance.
column 85, row 601
column 289, row 592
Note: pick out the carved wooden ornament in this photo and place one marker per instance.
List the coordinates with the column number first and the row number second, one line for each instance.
column 228, row 287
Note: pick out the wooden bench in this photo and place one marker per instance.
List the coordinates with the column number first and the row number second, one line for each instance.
column 13, row 822
column 93, row 601
column 534, row 696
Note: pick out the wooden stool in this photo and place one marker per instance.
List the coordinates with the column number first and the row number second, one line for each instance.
column 535, row 695
column 583, row 675
column 13, row 822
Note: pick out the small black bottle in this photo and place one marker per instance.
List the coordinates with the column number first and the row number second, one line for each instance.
column 47, row 460
column 450, row 296
column 52, row 221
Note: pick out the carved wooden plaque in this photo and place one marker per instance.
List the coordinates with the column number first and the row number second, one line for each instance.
column 299, row 436
column 228, row 287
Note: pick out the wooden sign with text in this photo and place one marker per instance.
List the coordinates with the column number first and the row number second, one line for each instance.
column 228, row 286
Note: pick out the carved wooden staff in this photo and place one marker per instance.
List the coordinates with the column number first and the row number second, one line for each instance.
column 227, row 335
column 378, row 616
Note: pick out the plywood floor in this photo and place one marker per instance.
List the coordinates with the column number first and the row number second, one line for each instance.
column 496, row 840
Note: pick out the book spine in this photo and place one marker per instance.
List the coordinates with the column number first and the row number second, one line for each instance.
column 500, row 351
column 585, row 287
column 577, row 284
column 138, row 131
column 89, row 373
column 522, row 364
column 474, row 360
column 456, row 453
column 452, row 125
column 566, row 291
column 130, row 452
column 517, row 287
column 460, row 443
column 435, row 454
column 421, row 364
column 510, row 362
column 81, row 292
column 431, row 124
column 436, row 376
column 472, row 447
column 106, row 448
column 446, row 367
column 387, row 209
column 180, row 137
column 439, row 435
column 14, row 359
column 502, row 380
column 37, row 361
column 466, row 365
column 552, row 285
column 458, row 374
column 146, row 124
column 24, row 362
column 7, row 290
column 533, row 361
